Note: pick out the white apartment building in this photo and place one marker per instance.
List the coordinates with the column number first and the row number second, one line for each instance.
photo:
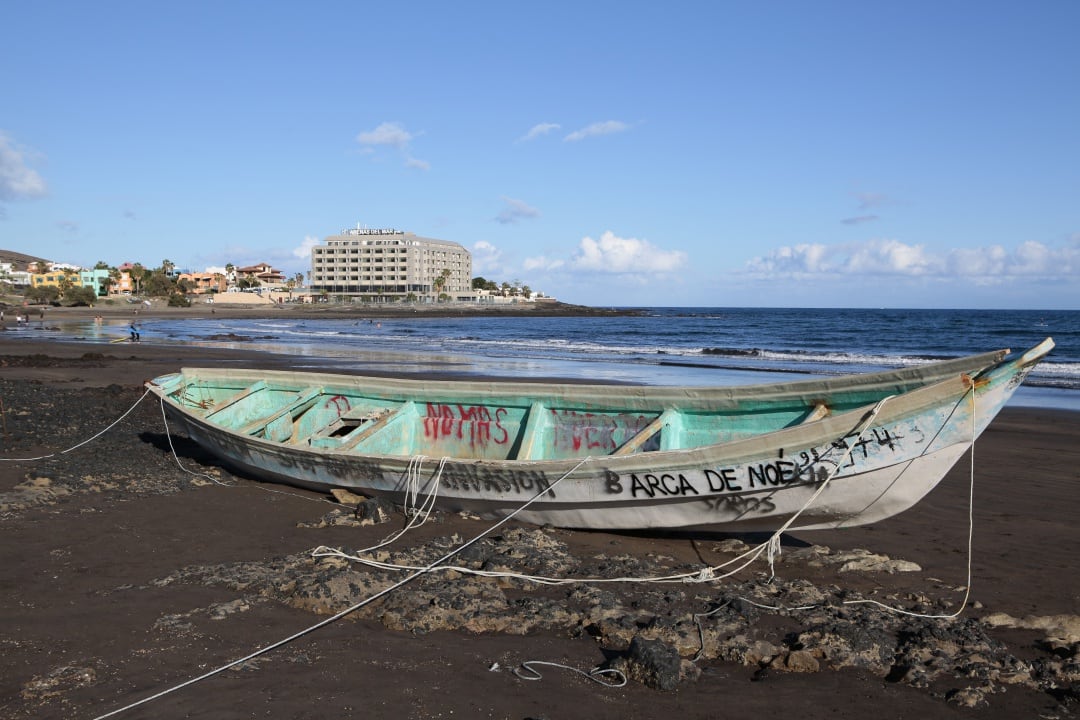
column 387, row 265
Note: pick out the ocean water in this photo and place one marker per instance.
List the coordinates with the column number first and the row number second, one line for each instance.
column 664, row 346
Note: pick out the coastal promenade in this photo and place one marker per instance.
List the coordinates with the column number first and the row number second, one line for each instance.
column 258, row 310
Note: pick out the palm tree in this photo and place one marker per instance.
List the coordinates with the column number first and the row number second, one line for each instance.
column 137, row 273
column 440, row 282
column 167, row 267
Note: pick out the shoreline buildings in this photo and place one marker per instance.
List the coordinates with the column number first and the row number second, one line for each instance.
column 387, row 265
column 356, row 265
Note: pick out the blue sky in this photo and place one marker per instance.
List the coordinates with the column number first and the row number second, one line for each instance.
column 830, row 154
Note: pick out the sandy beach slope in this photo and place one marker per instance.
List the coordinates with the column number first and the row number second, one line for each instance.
column 125, row 574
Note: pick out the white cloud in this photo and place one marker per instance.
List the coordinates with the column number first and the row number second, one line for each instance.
column 597, row 129
column 883, row 258
column 795, row 260
column 538, row 130
column 890, row 257
column 304, row 250
column 17, row 180
column 514, row 211
column 393, row 135
column 69, row 226
column 388, row 133
column 1033, row 258
column 542, row 263
column 613, row 254
column 486, row 258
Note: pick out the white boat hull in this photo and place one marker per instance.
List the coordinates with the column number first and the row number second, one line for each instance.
column 869, row 464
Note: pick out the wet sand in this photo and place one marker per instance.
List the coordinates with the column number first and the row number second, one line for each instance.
column 103, row 608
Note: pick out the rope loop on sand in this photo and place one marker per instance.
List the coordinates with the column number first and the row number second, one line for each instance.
column 527, row 671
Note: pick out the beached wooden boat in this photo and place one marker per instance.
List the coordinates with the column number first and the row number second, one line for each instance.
column 610, row 456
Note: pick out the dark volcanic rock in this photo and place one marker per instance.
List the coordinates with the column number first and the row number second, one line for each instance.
column 652, row 663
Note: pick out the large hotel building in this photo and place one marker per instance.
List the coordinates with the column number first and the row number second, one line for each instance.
column 386, row 265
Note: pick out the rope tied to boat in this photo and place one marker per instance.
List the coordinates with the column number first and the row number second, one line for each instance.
column 773, row 546
column 971, row 385
column 172, row 448
column 413, row 488
column 216, row 481
column 422, row 510
column 89, row 440
column 770, row 547
column 356, row 606
column 418, row 515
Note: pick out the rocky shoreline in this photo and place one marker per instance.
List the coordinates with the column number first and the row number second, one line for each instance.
column 158, row 308
column 133, row 569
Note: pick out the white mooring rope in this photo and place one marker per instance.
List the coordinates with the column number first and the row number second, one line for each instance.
column 352, row 608
column 419, row 515
column 84, row 442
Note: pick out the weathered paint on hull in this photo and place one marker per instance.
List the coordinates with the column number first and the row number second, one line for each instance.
column 850, row 499
column 754, row 483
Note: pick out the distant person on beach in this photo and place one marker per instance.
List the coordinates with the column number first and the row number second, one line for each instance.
column 134, row 332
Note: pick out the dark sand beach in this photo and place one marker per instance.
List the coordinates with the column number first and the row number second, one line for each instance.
column 229, row 306
column 125, row 574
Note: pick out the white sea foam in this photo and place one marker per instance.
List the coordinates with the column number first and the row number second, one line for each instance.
column 686, row 346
